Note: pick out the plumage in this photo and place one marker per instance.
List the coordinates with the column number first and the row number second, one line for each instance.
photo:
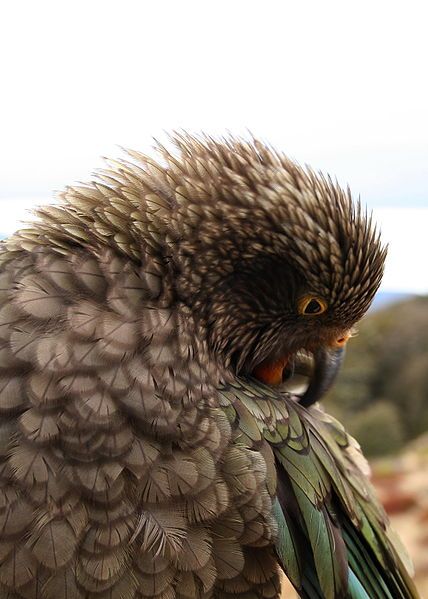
column 142, row 452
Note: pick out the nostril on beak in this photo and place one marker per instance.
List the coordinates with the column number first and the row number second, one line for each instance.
column 341, row 341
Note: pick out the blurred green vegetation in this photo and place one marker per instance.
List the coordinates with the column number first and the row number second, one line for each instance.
column 381, row 394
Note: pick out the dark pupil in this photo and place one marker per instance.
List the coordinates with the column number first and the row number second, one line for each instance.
column 313, row 307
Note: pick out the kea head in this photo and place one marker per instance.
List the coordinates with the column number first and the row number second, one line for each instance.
column 276, row 261
column 273, row 262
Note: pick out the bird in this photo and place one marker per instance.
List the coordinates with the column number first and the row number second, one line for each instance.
column 167, row 332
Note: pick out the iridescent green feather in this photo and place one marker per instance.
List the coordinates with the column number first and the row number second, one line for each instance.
column 334, row 539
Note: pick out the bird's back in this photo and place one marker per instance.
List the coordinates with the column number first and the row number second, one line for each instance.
column 120, row 475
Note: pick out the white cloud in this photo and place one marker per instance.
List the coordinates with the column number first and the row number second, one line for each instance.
column 16, row 212
column 405, row 231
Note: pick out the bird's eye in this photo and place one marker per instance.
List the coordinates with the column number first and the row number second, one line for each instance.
column 309, row 305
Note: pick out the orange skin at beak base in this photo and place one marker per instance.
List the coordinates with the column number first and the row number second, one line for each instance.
column 270, row 373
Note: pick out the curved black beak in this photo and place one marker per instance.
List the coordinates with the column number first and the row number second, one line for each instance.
column 327, row 362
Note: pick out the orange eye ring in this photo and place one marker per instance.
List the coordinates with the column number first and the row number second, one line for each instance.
column 311, row 305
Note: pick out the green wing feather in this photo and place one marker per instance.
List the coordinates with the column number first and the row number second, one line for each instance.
column 287, row 549
column 333, row 536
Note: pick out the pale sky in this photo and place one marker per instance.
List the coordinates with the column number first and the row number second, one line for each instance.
column 339, row 85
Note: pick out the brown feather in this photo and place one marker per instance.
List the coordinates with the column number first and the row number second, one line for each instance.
column 122, row 310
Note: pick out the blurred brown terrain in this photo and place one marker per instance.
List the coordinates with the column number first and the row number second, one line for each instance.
column 402, row 485
column 381, row 397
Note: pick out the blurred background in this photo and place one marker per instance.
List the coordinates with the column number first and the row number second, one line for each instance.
column 339, row 85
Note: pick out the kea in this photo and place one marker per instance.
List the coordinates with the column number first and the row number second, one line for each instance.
column 166, row 333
